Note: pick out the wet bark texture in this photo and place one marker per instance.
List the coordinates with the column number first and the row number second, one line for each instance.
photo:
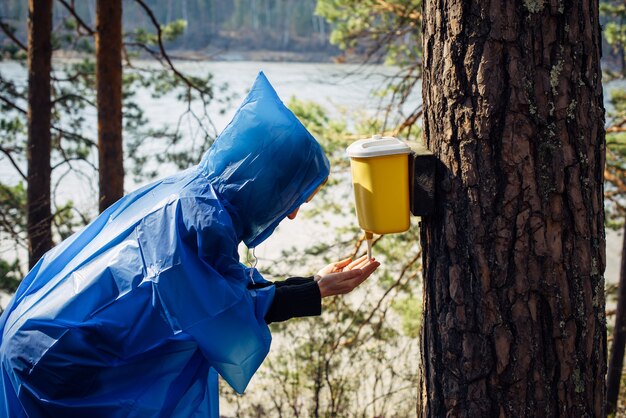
column 39, row 219
column 514, row 255
column 109, row 81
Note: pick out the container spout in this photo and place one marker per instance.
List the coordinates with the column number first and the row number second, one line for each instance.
column 369, row 237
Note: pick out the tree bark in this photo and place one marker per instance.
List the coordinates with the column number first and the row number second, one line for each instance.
column 39, row 223
column 616, row 361
column 515, row 254
column 109, row 85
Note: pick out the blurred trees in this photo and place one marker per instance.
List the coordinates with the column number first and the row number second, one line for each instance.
column 214, row 24
column 614, row 13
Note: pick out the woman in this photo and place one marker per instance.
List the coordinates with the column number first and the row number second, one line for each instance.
column 137, row 313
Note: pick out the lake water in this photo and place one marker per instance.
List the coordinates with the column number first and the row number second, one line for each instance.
column 334, row 86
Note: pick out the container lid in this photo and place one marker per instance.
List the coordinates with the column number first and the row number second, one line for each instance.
column 377, row 146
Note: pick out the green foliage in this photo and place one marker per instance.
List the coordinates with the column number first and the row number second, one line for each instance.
column 173, row 30
column 12, row 212
column 615, row 33
column 388, row 31
column 68, row 220
column 614, row 15
column 410, row 309
column 615, row 170
column 330, row 133
column 169, row 32
column 618, row 101
column 10, row 275
column 12, row 223
column 391, row 27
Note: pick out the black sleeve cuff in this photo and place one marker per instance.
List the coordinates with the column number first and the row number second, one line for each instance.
column 294, row 280
column 293, row 300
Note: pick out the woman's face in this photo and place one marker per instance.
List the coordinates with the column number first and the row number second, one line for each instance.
column 293, row 214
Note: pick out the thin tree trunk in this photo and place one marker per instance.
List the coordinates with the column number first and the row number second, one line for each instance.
column 109, row 80
column 514, row 256
column 616, row 362
column 39, row 223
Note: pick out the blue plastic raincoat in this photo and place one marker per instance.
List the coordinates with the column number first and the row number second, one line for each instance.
column 136, row 314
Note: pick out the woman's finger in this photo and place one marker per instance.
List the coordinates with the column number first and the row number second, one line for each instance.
column 341, row 264
column 353, row 264
column 370, row 268
column 363, row 263
column 366, row 272
column 347, row 275
column 336, row 283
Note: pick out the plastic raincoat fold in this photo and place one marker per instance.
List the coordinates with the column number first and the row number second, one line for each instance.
column 136, row 314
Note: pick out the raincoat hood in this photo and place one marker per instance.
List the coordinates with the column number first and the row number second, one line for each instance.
column 264, row 164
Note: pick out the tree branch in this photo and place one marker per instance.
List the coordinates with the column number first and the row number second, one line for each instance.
column 7, row 31
column 617, row 128
column 54, row 128
column 164, row 54
column 615, row 180
column 79, row 20
column 67, row 160
column 367, row 320
column 7, row 226
column 13, row 162
column 12, row 105
column 73, row 96
column 403, row 12
column 146, row 48
column 74, row 136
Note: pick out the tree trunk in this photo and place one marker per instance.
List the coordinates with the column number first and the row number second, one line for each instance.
column 39, row 115
column 109, row 80
column 514, row 256
column 616, row 362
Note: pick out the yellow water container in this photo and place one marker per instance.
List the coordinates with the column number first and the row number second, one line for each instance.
column 380, row 176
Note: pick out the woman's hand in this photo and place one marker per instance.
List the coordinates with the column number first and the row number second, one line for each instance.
column 343, row 265
column 345, row 275
column 333, row 268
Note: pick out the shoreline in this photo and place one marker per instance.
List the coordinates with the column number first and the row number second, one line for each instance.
column 234, row 55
